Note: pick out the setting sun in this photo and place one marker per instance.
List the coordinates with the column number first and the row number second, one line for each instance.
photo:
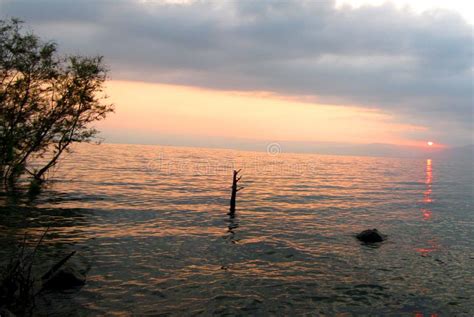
column 430, row 143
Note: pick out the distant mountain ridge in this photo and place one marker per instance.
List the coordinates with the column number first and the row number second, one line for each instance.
column 326, row 148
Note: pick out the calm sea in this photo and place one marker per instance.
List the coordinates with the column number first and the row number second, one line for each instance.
column 150, row 225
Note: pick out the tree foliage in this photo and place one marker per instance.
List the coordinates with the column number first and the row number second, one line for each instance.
column 47, row 102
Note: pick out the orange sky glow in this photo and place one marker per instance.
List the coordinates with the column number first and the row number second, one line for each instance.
column 181, row 110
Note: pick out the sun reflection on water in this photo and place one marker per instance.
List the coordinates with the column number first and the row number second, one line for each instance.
column 426, row 209
column 427, row 200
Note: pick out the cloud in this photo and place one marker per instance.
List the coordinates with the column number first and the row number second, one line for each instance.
column 418, row 67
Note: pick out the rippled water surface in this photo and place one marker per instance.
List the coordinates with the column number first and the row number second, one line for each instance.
column 150, row 225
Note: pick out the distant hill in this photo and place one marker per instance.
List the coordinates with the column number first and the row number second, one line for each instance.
column 327, row 148
column 374, row 149
column 379, row 149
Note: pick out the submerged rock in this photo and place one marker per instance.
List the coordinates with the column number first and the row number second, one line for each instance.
column 371, row 236
column 66, row 277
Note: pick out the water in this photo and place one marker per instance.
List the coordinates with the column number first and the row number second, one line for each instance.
column 150, row 224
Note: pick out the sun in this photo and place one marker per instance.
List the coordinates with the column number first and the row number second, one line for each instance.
column 429, row 143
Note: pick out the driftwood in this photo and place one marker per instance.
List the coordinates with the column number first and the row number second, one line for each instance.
column 19, row 287
column 57, row 266
column 235, row 188
column 63, row 277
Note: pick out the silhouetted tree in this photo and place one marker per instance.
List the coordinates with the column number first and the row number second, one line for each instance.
column 47, row 102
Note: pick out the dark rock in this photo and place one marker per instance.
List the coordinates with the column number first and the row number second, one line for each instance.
column 371, row 236
column 65, row 278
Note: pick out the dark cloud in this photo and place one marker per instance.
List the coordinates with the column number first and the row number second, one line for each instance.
column 416, row 66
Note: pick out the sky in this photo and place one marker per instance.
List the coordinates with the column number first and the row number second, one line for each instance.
column 229, row 73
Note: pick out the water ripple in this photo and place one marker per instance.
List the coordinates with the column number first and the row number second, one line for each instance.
column 150, row 224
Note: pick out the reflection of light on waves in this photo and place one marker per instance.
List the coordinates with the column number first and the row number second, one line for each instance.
column 426, row 214
column 427, row 194
column 429, row 172
column 426, row 209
